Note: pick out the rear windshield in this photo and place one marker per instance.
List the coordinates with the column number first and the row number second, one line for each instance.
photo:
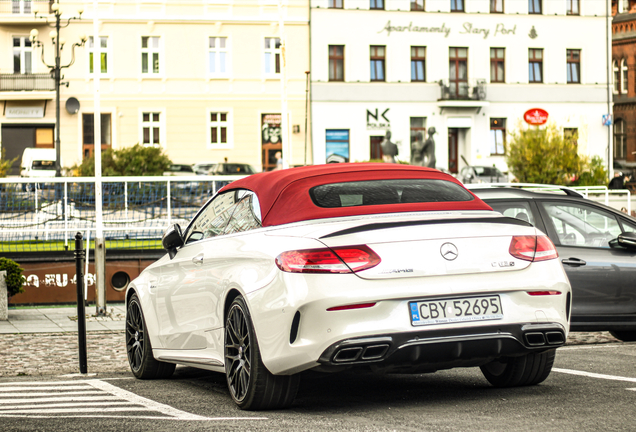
column 374, row 192
column 43, row 165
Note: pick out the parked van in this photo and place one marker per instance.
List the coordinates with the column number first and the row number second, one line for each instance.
column 38, row 162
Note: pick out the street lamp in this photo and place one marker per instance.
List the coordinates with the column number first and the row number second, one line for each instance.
column 57, row 67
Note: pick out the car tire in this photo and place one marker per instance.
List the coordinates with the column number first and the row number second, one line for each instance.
column 529, row 369
column 251, row 385
column 138, row 348
column 625, row 336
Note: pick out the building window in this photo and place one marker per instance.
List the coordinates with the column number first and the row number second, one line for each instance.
column 217, row 56
column 571, row 134
column 377, row 57
column 102, row 52
column 21, row 7
column 574, row 66
column 534, row 6
column 418, row 63
column 457, row 6
column 335, row 4
column 617, row 76
column 572, row 7
column 498, row 136
column 458, row 72
column 417, row 5
column 218, row 126
column 88, row 132
column 272, row 56
column 625, row 5
column 150, row 55
column 620, row 140
column 496, row 6
column 624, row 77
column 22, row 55
column 535, row 61
column 376, row 4
column 497, row 65
column 151, row 128
column 336, row 62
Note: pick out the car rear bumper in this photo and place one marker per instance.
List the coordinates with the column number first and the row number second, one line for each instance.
column 443, row 349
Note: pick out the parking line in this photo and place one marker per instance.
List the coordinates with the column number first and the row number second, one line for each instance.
column 594, row 375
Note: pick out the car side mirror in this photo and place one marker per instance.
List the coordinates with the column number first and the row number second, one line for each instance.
column 172, row 239
column 625, row 240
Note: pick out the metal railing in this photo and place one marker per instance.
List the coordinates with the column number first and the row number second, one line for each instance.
column 30, row 82
column 24, row 7
column 616, row 198
column 45, row 214
column 472, row 89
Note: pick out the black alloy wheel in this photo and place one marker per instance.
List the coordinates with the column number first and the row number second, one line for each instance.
column 138, row 349
column 251, row 385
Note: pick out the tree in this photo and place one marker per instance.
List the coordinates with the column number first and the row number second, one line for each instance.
column 593, row 173
column 137, row 160
column 543, row 155
column 14, row 278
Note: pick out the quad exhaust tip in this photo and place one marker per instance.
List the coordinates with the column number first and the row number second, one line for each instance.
column 535, row 339
column 361, row 353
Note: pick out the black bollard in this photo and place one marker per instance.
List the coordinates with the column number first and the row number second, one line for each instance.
column 80, row 254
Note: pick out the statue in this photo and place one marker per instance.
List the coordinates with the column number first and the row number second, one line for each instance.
column 417, row 149
column 428, row 152
column 389, row 149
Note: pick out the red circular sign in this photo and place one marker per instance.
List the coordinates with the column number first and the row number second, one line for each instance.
column 536, row 116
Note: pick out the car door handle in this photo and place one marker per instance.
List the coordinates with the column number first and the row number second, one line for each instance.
column 574, row 262
column 198, row 260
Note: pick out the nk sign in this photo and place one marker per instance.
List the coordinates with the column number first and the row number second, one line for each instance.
column 536, row 116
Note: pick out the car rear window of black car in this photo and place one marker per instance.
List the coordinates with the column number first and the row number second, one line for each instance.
column 377, row 192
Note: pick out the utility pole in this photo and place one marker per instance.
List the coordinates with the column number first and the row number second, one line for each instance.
column 284, row 113
column 100, row 246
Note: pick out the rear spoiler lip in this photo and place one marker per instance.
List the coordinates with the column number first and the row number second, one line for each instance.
column 385, row 225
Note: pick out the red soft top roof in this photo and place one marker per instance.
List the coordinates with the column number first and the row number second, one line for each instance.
column 284, row 194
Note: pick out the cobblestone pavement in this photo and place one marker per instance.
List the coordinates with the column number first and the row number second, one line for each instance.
column 57, row 353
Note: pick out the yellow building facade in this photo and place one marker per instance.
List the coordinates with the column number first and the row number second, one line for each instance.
column 201, row 79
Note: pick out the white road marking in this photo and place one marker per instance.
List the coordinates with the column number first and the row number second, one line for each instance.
column 583, row 347
column 633, row 389
column 70, row 399
column 594, row 375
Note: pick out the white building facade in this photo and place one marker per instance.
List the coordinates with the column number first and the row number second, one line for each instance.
column 470, row 69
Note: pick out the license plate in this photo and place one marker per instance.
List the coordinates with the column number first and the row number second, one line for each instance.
column 455, row 310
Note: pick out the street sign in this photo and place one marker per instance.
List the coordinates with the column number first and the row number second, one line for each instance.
column 607, row 120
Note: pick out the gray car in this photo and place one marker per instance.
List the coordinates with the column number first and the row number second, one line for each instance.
column 482, row 174
column 596, row 245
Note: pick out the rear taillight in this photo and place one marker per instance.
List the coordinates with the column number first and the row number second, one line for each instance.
column 533, row 248
column 328, row 260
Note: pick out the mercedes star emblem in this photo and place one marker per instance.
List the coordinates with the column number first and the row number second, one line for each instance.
column 449, row 251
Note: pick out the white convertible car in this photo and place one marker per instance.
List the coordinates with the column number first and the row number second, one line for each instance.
column 389, row 267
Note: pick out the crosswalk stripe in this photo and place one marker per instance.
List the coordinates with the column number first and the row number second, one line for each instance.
column 85, row 392
column 75, row 410
column 38, row 388
column 61, row 399
column 64, row 404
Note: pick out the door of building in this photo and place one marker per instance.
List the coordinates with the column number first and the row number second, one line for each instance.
column 452, row 150
column 375, row 148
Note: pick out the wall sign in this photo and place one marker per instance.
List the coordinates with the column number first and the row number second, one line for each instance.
column 499, row 29
column 378, row 120
column 337, row 145
column 271, row 129
column 25, row 112
column 536, row 116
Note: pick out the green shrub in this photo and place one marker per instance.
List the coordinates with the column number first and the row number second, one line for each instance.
column 14, row 279
column 593, row 173
column 5, row 165
column 543, row 155
column 137, row 160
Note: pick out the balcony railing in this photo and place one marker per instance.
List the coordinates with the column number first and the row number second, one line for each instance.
column 30, row 82
column 472, row 89
column 24, row 7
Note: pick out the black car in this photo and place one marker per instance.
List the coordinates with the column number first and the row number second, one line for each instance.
column 597, row 246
